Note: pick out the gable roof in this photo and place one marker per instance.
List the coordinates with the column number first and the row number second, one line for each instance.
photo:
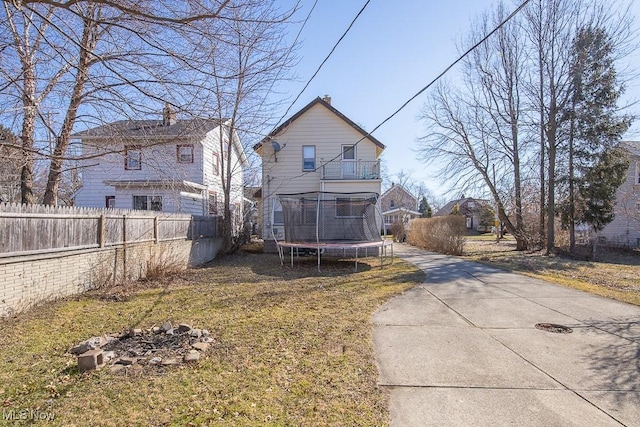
column 155, row 129
column 328, row 106
column 448, row 208
column 394, row 187
column 150, row 129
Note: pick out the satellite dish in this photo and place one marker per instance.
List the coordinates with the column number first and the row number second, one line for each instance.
column 276, row 146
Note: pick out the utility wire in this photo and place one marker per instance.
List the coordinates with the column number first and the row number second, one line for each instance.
column 431, row 83
column 353, row 21
column 293, row 46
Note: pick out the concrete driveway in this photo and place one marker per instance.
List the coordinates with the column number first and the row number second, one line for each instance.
column 462, row 349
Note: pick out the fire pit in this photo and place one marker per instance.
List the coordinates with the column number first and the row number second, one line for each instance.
column 159, row 346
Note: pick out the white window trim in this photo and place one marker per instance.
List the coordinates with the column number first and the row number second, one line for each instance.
column 276, row 204
column 305, row 158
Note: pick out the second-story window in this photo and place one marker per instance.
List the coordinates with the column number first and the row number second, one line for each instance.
column 308, row 157
column 185, row 153
column 216, row 164
column 132, row 157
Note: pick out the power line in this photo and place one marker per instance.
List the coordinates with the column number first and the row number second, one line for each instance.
column 431, row 83
column 324, row 61
column 293, row 45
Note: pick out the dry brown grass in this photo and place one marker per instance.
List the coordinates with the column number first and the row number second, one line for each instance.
column 293, row 347
column 615, row 275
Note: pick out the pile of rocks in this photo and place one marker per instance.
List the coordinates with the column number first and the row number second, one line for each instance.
column 158, row 346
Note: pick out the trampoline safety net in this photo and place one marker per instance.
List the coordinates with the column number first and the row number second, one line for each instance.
column 323, row 217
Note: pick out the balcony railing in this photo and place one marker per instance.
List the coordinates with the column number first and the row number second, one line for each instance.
column 351, row 170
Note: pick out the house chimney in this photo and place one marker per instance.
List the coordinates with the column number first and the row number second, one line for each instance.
column 327, row 99
column 168, row 115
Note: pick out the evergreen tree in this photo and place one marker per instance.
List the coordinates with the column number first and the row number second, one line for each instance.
column 599, row 186
column 595, row 165
column 424, row 208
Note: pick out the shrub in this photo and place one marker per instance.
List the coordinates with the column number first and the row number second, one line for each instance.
column 399, row 232
column 443, row 234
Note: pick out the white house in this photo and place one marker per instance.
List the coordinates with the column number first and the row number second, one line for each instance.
column 317, row 149
column 166, row 165
column 624, row 230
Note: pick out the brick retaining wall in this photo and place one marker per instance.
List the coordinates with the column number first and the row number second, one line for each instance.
column 28, row 280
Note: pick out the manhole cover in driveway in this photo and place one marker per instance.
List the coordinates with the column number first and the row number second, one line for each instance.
column 552, row 327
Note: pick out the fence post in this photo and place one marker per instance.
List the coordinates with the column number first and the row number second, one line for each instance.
column 101, row 230
column 124, row 247
column 155, row 230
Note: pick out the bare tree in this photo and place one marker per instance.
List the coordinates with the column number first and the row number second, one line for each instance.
column 518, row 87
column 478, row 129
column 554, row 25
column 254, row 55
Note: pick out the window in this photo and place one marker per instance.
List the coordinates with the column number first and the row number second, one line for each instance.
column 278, row 216
column 637, row 173
column 350, row 207
column 392, row 204
column 216, row 164
column 140, row 203
column 145, row 203
column 348, row 152
column 156, row 203
column 132, row 158
column 308, row 212
column 185, row 153
column 469, row 222
column 110, row 202
column 213, row 203
column 308, row 157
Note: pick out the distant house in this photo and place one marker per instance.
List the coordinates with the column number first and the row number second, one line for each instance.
column 624, row 230
column 398, row 207
column 318, row 149
column 470, row 209
column 164, row 165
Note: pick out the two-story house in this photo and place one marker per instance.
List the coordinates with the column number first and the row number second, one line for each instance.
column 398, row 206
column 624, row 230
column 165, row 165
column 318, row 149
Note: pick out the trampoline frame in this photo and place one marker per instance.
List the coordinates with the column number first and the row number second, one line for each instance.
column 319, row 246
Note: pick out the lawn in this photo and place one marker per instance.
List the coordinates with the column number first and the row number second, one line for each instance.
column 615, row 275
column 292, row 346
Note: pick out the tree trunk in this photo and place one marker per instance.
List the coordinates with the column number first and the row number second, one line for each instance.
column 28, row 131
column 87, row 47
column 551, row 138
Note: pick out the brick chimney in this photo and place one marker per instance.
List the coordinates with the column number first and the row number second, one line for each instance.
column 327, row 99
column 168, row 115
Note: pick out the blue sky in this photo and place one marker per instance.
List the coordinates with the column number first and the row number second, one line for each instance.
column 394, row 49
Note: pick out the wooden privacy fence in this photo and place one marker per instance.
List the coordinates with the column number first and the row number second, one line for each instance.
column 37, row 229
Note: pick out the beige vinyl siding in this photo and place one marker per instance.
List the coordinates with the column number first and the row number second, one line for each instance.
column 328, row 133
column 318, row 127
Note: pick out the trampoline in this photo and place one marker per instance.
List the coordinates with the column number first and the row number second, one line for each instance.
column 329, row 222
